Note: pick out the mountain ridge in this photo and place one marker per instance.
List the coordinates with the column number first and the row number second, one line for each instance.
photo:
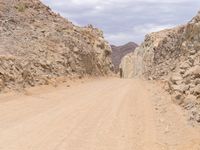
column 118, row 52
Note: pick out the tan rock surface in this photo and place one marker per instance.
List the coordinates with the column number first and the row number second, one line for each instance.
column 37, row 45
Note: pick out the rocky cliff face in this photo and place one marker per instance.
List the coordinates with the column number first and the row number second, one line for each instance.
column 37, row 45
column 118, row 52
column 172, row 55
column 155, row 55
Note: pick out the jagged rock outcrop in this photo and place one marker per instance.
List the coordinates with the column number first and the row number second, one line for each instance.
column 172, row 55
column 37, row 45
column 118, row 52
column 155, row 55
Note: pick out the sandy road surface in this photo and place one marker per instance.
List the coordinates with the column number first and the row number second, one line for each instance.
column 106, row 114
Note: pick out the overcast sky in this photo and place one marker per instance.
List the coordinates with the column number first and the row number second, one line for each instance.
column 126, row 20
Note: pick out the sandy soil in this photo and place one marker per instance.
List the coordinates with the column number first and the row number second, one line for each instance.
column 105, row 114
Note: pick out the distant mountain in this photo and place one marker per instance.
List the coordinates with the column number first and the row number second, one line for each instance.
column 120, row 51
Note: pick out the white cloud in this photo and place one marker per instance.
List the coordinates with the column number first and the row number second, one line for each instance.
column 119, row 38
column 136, row 34
column 126, row 20
column 148, row 28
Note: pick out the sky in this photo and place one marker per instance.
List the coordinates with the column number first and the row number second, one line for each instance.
column 123, row 21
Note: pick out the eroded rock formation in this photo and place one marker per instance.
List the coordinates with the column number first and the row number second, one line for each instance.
column 37, row 45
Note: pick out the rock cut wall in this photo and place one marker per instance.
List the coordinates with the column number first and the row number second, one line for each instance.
column 37, row 45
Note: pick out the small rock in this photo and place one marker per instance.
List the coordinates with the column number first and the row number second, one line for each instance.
column 194, row 71
column 182, row 71
column 190, row 102
column 167, row 86
column 192, row 52
column 180, row 88
column 197, row 89
column 75, row 49
column 197, row 60
column 197, row 118
column 177, row 98
column 191, row 59
column 190, row 98
column 194, row 111
column 175, row 78
column 197, row 81
column 184, row 65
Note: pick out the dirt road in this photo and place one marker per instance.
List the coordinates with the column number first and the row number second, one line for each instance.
column 105, row 114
